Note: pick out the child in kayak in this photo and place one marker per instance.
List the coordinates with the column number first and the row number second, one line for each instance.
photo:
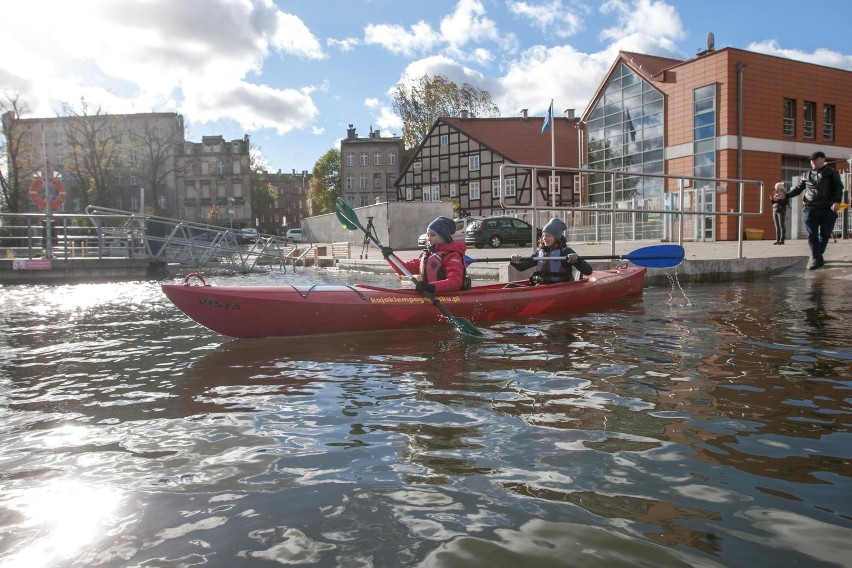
column 441, row 266
column 552, row 244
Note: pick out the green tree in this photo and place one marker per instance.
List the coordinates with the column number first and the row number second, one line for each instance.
column 324, row 187
column 420, row 102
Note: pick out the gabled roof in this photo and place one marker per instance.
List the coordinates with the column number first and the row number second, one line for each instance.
column 647, row 65
column 520, row 140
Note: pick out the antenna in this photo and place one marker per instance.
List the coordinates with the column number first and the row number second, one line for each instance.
column 710, row 42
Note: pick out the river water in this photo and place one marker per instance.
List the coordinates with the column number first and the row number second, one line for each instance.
column 707, row 425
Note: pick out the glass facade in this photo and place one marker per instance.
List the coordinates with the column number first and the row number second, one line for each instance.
column 625, row 132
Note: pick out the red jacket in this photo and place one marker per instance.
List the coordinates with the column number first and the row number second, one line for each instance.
column 452, row 260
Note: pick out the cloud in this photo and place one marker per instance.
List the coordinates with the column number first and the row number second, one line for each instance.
column 552, row 18
column 826, row 57
column 651, row 25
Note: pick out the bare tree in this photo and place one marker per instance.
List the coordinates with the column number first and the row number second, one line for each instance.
column 17, row 147
column 95, row 145
column 157, row 158
column 419, row 103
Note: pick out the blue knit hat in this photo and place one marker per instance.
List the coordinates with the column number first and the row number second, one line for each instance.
column 443, row 227
column 555, row 227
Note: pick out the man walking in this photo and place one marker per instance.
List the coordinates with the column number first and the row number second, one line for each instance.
column 823, row 193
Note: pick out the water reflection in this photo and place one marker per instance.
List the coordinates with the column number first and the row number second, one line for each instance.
column 707, row 432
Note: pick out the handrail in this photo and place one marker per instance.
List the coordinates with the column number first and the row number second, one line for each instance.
column 612, row 209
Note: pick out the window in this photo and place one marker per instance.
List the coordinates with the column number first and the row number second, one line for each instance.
column 391, row 158
column 365, row 200
column 409, row 194
column 133, row 157
column 205, row 168
column 363, row 181
column 473, row 190
column 808, row 119
column 418, row 166
column 704, row 133
column 377, row 159
column 58, row 138
column 510, row 187
column 445, row 139
column 473, row 163
column 495, row 188
column 237, row 167
column 789, row 117
column 828, row 123
column 389, row 181
column 350, row 181
column 220, row 168
column 436, row 192
column 454, row 190
column 350, row 159
column 134, row 180
column 363, row 159
column 377, row 181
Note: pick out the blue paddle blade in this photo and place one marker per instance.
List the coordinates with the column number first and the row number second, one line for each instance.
column 657, row 256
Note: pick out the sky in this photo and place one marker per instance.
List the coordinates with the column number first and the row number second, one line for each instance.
column 294, row 74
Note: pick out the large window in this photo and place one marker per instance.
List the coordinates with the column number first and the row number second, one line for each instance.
column 625, row 132
column 704, row 133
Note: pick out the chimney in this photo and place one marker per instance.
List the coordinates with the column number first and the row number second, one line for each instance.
column 569, row 113
column 524, row 113
column 464, row 113
column 350, row 133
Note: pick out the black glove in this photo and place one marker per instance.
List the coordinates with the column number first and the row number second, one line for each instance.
column 387, row 251
column 424, row 287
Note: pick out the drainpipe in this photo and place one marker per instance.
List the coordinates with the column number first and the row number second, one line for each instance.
column 740, row 67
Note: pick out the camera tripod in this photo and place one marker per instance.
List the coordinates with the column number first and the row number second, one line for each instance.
column 368, row 230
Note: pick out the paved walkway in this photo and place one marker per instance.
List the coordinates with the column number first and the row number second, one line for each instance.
column 709, row 261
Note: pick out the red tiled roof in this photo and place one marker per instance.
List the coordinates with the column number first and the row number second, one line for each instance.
column 520, row 140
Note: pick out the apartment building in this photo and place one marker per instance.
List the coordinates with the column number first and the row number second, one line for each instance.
column 215, row 182
column 369, row 167
column 290, row 205
column 115, row 160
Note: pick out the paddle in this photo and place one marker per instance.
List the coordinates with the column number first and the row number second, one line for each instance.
column 654, row 256
column 349, row 220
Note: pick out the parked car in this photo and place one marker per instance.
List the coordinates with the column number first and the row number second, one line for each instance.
column 293, row 234
column 496, row 231
column 461, row 223
column 247, row 236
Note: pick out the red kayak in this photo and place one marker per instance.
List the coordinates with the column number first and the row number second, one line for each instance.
column 268, row 311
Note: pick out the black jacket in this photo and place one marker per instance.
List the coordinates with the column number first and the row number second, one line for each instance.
column 822, row 188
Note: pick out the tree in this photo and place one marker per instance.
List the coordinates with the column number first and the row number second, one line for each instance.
column 18, row 145
column 324, row 187
column 420, row 102
column 156, row 162
column 94, row 142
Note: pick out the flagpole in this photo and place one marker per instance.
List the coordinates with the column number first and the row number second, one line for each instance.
column 552, row 153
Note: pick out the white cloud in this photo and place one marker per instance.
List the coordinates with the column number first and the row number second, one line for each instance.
column 420, row 38
column 550, row 17
column 826, row 57
column 649, row 18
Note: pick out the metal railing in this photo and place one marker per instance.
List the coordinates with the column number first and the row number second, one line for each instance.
column 630, row 218
column 111, row 233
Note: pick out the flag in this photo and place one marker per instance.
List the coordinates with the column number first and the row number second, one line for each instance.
column 548, row 119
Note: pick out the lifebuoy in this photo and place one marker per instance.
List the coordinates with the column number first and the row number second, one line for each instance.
column 39, row 196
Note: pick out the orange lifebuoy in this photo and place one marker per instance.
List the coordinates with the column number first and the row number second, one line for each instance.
column 39, row 197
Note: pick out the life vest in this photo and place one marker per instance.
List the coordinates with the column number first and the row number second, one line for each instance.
column 550, row 271
column 432, row 268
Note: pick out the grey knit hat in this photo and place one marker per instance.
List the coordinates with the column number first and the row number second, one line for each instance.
column 443, row 227
column 555, row 227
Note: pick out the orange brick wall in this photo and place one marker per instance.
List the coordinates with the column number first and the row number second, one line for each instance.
column 767, row 81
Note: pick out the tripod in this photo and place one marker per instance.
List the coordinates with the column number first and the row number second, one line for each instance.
column 370, row 229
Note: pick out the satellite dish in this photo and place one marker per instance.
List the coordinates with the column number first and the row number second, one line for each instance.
column 710, row 42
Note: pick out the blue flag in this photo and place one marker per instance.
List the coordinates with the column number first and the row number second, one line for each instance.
column 547, row 119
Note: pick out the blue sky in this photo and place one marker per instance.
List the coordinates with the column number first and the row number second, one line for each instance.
column 293, row 74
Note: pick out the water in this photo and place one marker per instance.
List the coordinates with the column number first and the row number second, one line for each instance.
column 705, row 429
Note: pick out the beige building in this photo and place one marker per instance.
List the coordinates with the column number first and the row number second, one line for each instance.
column 369, row 167
column 114, row 160
column 215, row 182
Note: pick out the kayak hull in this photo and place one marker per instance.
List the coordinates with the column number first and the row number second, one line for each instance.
column 280, row 311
